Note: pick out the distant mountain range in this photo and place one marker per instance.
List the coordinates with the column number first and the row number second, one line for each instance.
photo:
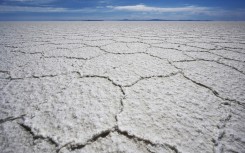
column 145, row 20
column 119, row 20
column 159, row 20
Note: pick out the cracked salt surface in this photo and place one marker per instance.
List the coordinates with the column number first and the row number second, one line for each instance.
column 120, row 87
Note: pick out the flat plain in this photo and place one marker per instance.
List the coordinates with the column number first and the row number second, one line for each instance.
column 126, row 87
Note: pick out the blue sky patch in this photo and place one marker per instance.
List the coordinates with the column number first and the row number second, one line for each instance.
column 119, row 10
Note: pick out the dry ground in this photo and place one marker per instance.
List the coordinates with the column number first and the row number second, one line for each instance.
column 150, row 87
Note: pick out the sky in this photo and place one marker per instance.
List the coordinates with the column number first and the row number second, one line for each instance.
column 122, row 9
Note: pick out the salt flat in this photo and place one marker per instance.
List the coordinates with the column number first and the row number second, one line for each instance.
column 147, row 87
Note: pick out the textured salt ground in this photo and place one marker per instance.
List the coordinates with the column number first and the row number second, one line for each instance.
column 163, row 87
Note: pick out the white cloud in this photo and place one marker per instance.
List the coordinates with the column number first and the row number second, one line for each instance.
column 144, row 8
column 185, row 12
column 8, row 8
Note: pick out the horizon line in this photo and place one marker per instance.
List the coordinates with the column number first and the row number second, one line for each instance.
column 129, row 20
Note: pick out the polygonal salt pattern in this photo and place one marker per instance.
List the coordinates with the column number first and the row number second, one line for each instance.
column 163, row 87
